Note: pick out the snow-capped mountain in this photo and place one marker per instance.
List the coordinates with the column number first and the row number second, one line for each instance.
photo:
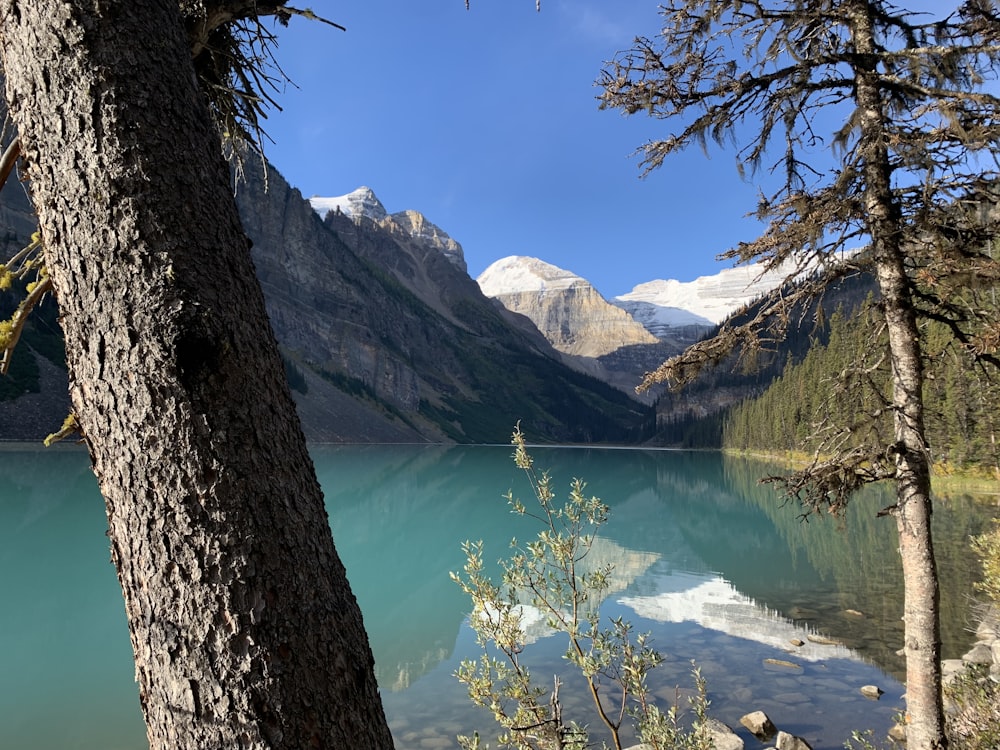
column 566, row 308
column 360, row 202
column 706, row 301
column 663, row 307
column 654, row 322
column 363, row 203
column 614, row 340
column 519, row 273
column 659, row 318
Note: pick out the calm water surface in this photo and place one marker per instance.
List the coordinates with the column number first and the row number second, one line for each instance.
column 705, row 558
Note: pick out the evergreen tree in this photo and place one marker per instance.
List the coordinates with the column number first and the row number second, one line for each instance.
column 912, row 179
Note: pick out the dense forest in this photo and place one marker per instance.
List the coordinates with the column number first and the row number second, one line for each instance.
column 694, row 416
column 845, row 381
column 832, row 370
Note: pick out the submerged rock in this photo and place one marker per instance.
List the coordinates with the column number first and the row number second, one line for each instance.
column 791, row 742
column 759, row 724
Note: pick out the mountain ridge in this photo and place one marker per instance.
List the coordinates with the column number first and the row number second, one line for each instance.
column 377, row 307
column 386, row 337
column 614, row 340
column 657, row 304
column 362, row 203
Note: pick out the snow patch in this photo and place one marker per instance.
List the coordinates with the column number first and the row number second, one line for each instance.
column 711, row 298
column 520, row 273
column 357, row 203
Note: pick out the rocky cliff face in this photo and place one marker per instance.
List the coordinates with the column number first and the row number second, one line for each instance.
column 385, row 337
column 374, row 307
column 416, row 225
column 363, row 204
column 567, row 309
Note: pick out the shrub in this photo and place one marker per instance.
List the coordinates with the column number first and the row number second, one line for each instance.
column 550, row 575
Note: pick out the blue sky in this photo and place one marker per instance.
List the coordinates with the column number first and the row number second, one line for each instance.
column 486, row 121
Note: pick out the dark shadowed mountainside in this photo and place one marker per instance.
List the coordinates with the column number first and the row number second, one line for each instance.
column 385, row 339
column 379, row 322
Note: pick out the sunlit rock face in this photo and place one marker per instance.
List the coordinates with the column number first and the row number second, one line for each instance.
column 566, row 308
column 357, row 203
column 420, row 229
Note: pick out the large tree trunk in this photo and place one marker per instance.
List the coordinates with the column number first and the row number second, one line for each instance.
column 921, row 634
column 245, row 631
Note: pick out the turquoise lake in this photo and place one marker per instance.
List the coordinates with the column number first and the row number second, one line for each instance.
column 706, row 559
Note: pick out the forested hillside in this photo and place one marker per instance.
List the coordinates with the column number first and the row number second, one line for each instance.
column 693, row 417
column 833, row 370
column 845, row 382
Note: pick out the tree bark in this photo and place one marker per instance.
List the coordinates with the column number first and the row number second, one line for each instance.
column 921, row 600
column 244, row 628
column 922, row 639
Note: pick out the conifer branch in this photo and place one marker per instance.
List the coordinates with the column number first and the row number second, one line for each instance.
column 10, row 330
column 9, row 159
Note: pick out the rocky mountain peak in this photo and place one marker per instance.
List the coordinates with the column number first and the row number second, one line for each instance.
column 566, row 308
column 419, row 228
column 517, row 274
column 363, row 203
column 357, row 203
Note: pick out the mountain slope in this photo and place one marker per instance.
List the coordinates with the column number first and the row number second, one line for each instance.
column 694, row 416
column 385, row 337
column 382, row 314
column 961, row 398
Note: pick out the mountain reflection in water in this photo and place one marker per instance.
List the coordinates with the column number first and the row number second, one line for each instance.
column 704, row 557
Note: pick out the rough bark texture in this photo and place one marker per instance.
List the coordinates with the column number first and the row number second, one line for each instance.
column 922, row 639
column 245, row 632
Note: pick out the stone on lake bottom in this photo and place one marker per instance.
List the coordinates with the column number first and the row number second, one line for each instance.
column 759, row 724
column 782, row 663
column 723, row 737
column 822, row 640
column 436, row 743
column 791, row 742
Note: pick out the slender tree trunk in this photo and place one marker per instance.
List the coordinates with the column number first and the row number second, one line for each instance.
column 245, row 631
column 921, row 603
column 922, row 639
